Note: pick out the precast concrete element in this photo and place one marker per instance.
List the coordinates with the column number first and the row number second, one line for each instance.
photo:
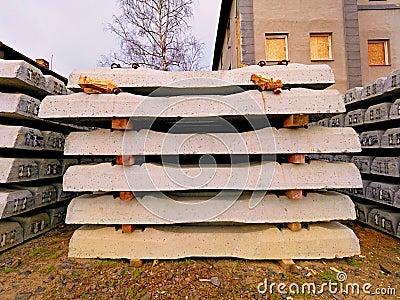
column 359, row 192
column 15, row 201
column 318, row 76
column 342, row 158
column 260, row 176
column 363, row 163
column 377, row 113
column 53, row 140
column 321, row 240
column 18, row 170
column 352, row 95
column 49, row 168
column 18, row 137
column 57, row 215
column 34, row 224
column 354, row 117
column 386, row 166
column 314, row 207
column 371, row 139
column 20, row 76
column 395, row 110
column 373, row 89
column 384, row 219
column 42, row 194
column 363, row 210
column 392, row 82
column 11, row 234
column 262, row 141
column 61, row 195
column 66, row 163
column 337, row 121
column 391, row 138
column 18, row 106
column 324, row 122
column 387, row 193
column 246, row 103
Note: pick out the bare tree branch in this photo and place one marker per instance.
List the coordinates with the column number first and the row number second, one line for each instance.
column 155, row 34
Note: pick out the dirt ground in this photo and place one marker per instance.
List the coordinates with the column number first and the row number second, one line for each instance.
column 40, row 269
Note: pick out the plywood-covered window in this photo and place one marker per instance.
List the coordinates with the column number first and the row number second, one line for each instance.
column 378, row 52
column 276, row 47
column 321, row 46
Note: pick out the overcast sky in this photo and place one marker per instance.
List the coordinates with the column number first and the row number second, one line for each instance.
column 73, row 31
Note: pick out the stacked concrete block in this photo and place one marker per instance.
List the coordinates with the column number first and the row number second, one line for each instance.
column 31, row 153
column 248, row 199
column 374, row 112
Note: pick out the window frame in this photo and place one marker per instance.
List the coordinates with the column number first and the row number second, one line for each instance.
column 386, row 47
column 277, row 35
column 330, row 38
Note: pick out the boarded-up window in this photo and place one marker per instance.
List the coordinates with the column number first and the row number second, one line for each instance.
column 378, row 52
column 321, row 46
column 276, row 47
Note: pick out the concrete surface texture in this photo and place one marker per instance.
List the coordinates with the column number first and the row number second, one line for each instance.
column 371, row 139
column 11, row 234
column 18, row 106
column 295, row 74
column 355, row 117
column 352, row 95
column 49, row 168
column 391, row 138
column 15, row 201
column 323, row 240
column 261, row 176
column 386, row 166
column 262, row 141
column 395, row 110
column 384, row 193
column 392, row 82
column 42, row 194
column 246, row 103
column 377, row 113
column 33, row 225
column 53, row 140
column 57, row 215
column 18, row 169
column 337, row 121
column 383, row 219
column 158, row 208
column 363, row 210
column 363, row 163
column 373, row 89
column 20, row 76
column 18, row 137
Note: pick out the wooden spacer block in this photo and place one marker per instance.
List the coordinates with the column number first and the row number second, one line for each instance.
column 125, row 160
column 294, row 121
column 295, row 226
column 128, row 228
column 126, row 196
column 136, row 263
column 297, row 158
column 294, row 194
column 121, row 124
column 287, row 264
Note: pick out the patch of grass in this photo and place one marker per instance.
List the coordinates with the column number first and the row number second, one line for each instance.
column 328, row 276
column 354, row 263
column 396, row 250
column 44, row 253
column 136, row 273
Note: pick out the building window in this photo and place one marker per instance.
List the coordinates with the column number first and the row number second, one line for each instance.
column 276, row 47
column 378, row 52
column 321, row 46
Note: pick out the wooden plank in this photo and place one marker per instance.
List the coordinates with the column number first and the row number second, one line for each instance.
column 295, row 226
column 294, row 121
column 121, row 124
column 125, row 160
column 287, row 264
column 296, row 158
column 126, row 196
column 128, row 228
column 294, row 194
column 98, row 86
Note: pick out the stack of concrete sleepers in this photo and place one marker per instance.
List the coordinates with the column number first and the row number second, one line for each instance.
column 373, row 111
column 207, row 161
column 31, row 155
